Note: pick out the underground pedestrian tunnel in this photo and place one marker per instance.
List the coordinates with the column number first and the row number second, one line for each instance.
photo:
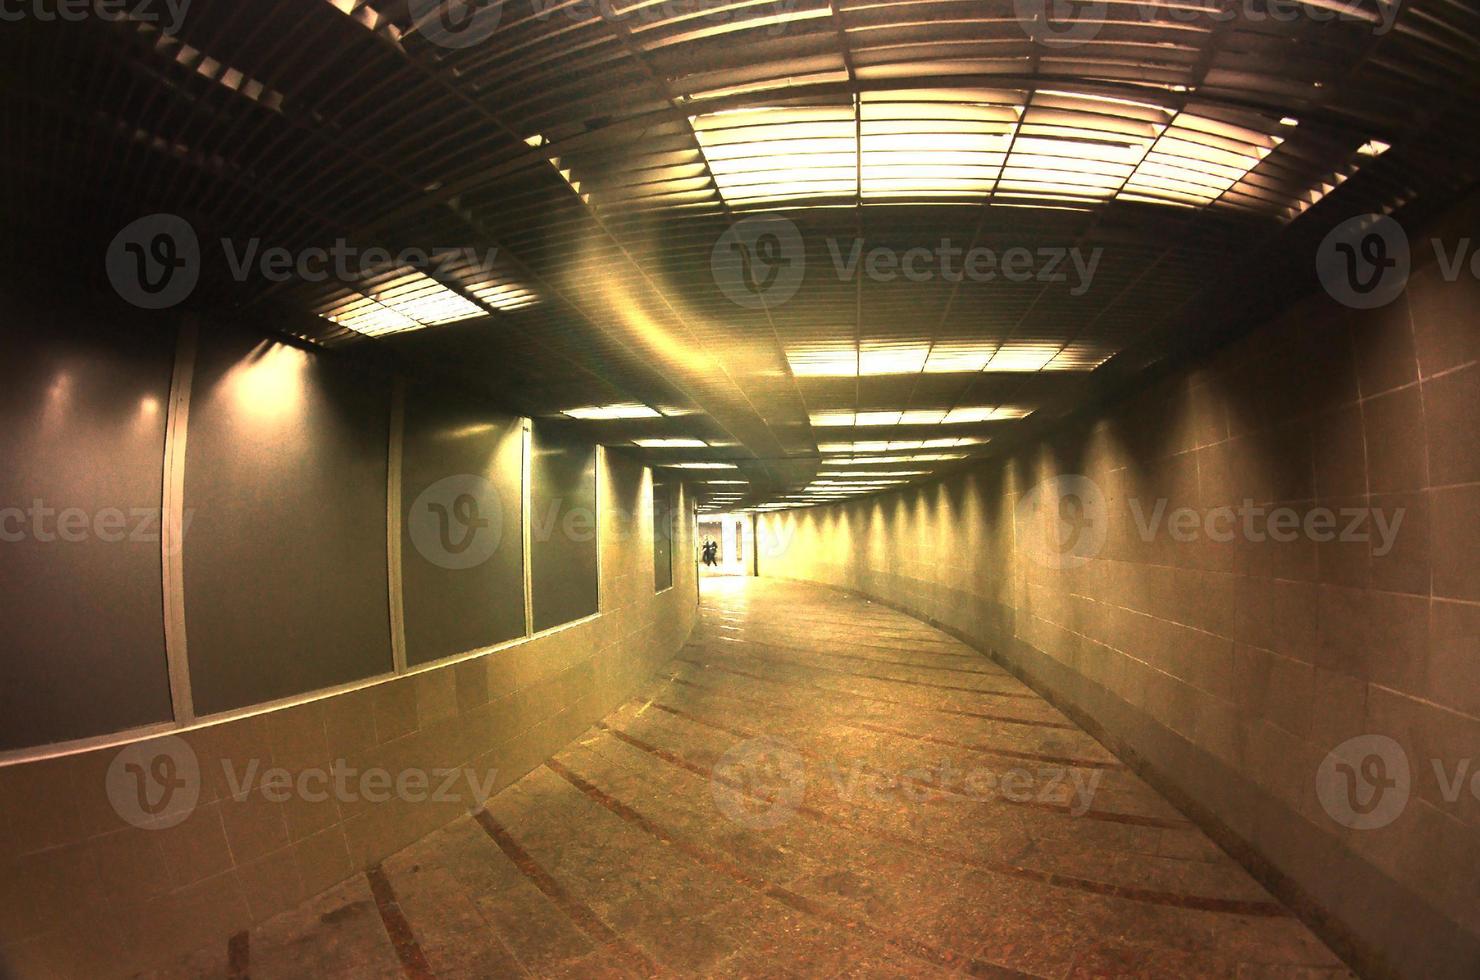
column 746, row 488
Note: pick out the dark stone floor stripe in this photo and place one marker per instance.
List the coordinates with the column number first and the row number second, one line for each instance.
column 577, row 911
column 1201, row 903
column 413, row 961
column 239, row 956
column 922, row 951
column 1063, row 760
column 961, row 712
column 1106, row 816
column 1014, row 754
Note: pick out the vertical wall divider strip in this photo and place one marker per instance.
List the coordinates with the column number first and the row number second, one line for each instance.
column 526, row 520
column 755, row 545
column 172, row 522
column 596, row 528
column 393, row 524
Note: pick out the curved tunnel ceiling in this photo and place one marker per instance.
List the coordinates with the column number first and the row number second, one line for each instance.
column 805, row 249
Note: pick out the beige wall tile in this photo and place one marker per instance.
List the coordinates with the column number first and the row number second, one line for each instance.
column 1451, row 405
column 395, row 709
column 1454, row 541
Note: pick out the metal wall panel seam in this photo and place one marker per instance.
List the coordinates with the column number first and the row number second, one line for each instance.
column 172, row 522
column 393, row 525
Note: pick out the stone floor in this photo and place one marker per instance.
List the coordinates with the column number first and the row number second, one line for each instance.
column 815, row 786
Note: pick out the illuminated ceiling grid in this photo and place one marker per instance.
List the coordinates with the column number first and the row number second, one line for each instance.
column 602, row 156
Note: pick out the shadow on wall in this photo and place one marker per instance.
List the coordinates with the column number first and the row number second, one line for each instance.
column 1258, row 580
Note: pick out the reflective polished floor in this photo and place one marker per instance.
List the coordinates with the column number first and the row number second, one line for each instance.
column 815, row 786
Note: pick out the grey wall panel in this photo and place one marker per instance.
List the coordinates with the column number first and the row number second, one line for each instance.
column 663, row 496
column 462, row 551
column 285, row 554
column 563, row 570
column 83, row 399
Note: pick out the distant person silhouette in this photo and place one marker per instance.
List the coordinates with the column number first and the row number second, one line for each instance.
column 711, row 552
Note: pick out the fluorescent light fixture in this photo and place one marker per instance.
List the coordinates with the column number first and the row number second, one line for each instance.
column 958, row 358
column 866, row 446
column 500, row 294
column 858, row 473
column 700, row 466
column 409, row 301
column 671, row 443
column 844, row 361
column 826, row 361
column 985, row 414
column 942, row 416
column 1022, row 357
column 923, row 144
column 1329, row 183
column 854, row 483
column 741, row 482
column 884, row 460
column 895, row 445
column 891, row 360
column 537, row 141
column 1081, row 357
column 362, row 13
column 622, row 410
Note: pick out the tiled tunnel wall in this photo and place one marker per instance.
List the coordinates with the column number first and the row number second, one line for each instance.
column 83, row 892
column 1230, row 668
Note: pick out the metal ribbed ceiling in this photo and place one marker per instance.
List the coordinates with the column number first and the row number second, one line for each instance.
column 570, row 171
